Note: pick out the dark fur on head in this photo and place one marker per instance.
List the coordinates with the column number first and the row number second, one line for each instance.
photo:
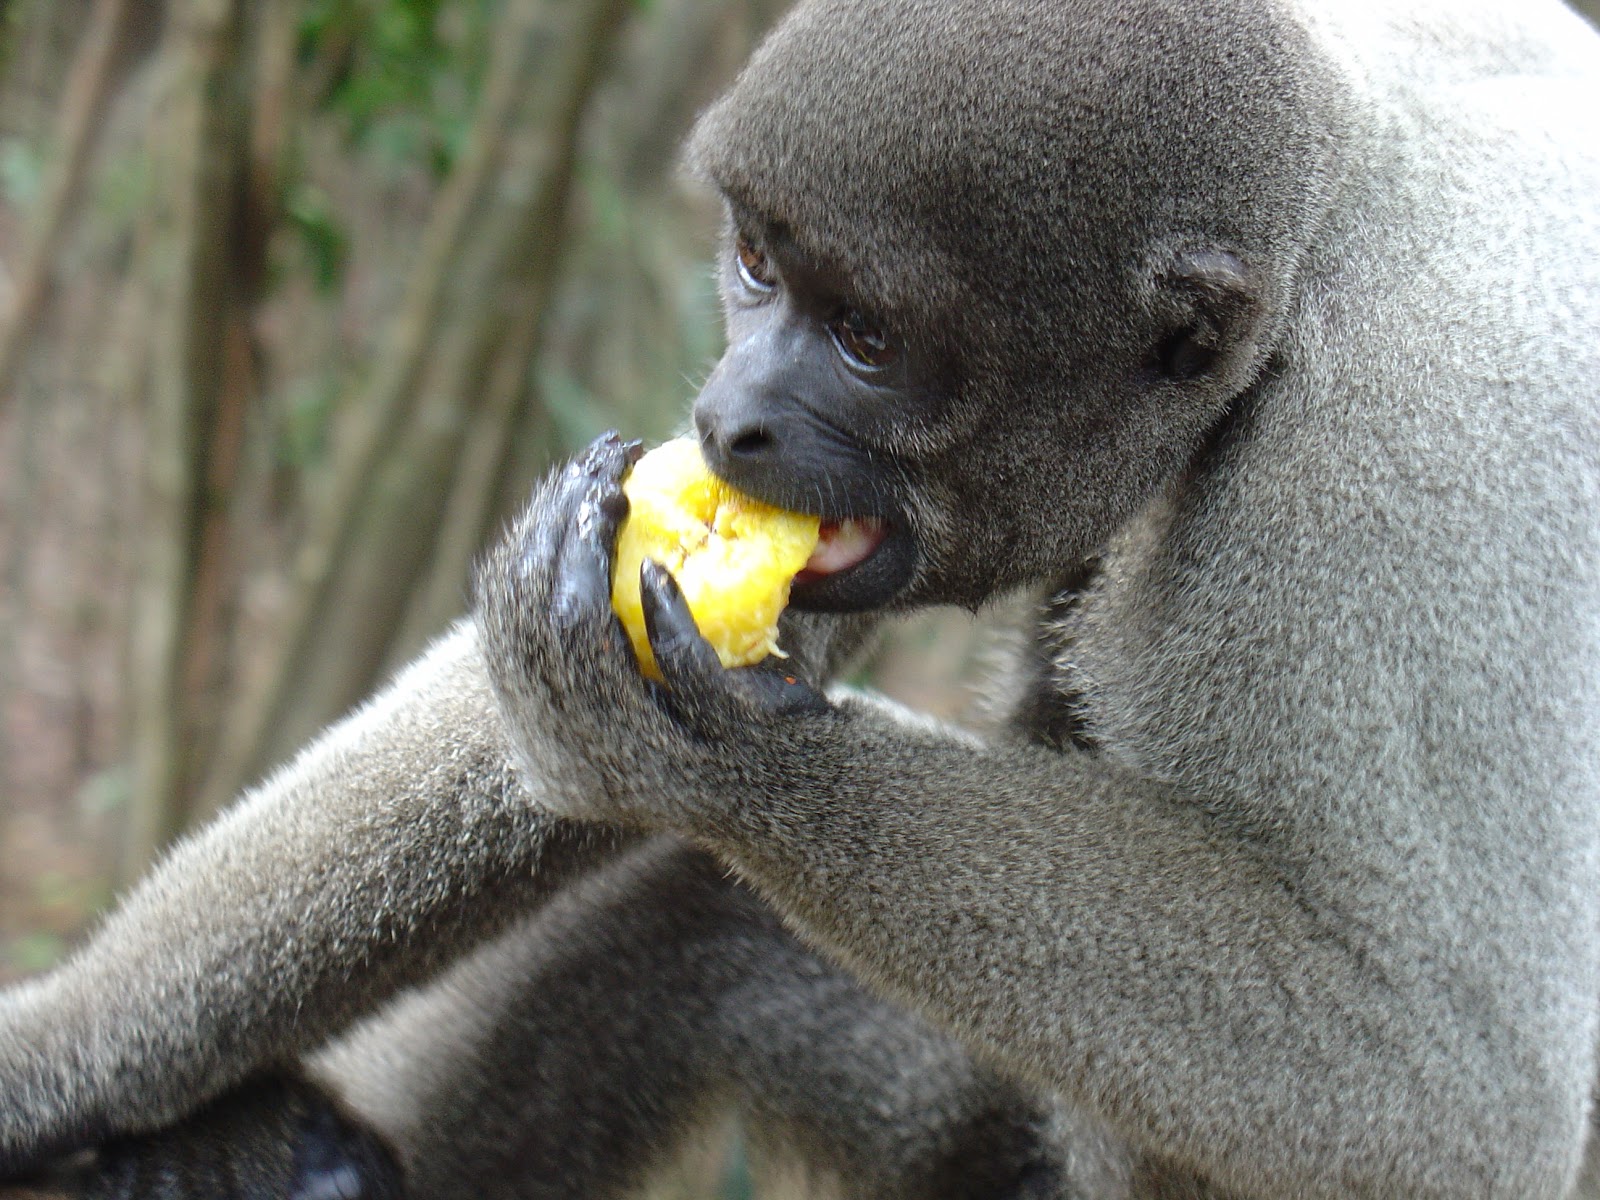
column 976, row 222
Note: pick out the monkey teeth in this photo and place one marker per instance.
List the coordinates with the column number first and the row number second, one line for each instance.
column 845, row 543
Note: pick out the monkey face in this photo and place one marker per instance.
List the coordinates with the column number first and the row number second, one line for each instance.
column 947, row 336
column 944, row 471
column 955, row 453
column 930, row 479
column 804, row 411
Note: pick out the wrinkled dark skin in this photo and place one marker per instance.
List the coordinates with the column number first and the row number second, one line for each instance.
column 555, row 602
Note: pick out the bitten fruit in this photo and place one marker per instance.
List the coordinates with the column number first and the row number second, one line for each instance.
column 732, row 556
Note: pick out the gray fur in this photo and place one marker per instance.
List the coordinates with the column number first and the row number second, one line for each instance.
column 575, row 1053
column 391, row 844
column 1313, row 908
column 1284, row 880
column 652, row 998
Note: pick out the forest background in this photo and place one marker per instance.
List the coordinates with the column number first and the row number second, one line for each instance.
column 297, row 299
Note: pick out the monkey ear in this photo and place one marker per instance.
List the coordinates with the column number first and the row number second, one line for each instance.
column 1211, row 300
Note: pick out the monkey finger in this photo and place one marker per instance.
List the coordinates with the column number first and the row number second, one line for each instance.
column 695, row 675
column 605, row 461
column 581, row 604
column 696, row 679
column 582, row 581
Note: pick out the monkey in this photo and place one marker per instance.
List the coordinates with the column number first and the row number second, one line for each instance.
column 1254, row 343
column 395, row 842
column 1286, row 315
column 202, row 1092
column 704, row 995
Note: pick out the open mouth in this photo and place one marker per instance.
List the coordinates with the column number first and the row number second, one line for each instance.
column 842, row 545
column 859, row 563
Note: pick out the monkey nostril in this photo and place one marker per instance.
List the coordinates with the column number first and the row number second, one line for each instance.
column 750, row 444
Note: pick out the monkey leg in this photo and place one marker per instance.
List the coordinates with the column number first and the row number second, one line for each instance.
column 577, row 1054
column 397, row 839
column 587, row 1045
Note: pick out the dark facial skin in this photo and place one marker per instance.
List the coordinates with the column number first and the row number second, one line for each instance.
column 787, row 415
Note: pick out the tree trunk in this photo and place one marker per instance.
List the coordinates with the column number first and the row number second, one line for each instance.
column 470, row 320
column 196, row 395
column 88, row 85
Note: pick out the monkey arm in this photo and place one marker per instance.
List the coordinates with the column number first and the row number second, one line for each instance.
column 577, row 1053
column 1345, row 992
column 1099, row 933
column 397, row 839
column 1096, row 932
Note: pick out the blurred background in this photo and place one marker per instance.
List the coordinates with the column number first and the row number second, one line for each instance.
column 297, row 299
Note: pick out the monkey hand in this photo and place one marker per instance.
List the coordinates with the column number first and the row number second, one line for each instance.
column 274, row 1137
column 605, row 741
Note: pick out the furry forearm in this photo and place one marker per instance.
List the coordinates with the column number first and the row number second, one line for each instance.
column 1106, row 937
column 399, row 836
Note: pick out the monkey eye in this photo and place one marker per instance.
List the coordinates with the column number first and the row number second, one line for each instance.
column 861, row 342
column 755, row 269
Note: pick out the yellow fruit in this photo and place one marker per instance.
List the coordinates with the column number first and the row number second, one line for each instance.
column 734, row 557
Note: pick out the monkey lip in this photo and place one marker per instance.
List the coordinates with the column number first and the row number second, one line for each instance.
column 860, row 563
column 842, row 545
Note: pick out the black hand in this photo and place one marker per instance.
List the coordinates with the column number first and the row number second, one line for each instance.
column 702, row 691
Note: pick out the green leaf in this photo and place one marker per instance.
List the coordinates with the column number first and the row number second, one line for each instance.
column 309, row 214
column 21, row 172
column 35, row 951
column 408, row 75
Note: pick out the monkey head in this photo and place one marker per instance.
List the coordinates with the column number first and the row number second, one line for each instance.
column 973, row 324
